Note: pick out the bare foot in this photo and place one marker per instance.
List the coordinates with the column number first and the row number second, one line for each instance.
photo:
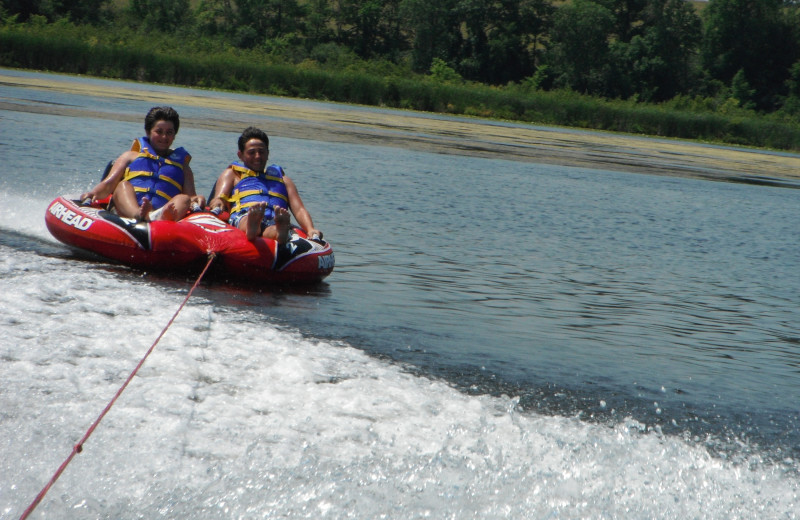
column 282, row 224
column 169, row 212
column 254, row 217
column 144, row 210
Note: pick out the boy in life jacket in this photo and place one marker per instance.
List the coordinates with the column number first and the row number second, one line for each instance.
column 259, row 197
column 151, row 181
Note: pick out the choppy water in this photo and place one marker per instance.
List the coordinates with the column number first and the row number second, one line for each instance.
column 498, row 340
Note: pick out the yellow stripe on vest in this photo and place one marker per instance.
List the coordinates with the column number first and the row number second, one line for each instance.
column 280, row 196
column 158, row 192
column 171, row 181
column 237, row 196
column 133, row 174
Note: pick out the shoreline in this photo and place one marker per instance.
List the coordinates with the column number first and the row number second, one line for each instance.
column 427, row 132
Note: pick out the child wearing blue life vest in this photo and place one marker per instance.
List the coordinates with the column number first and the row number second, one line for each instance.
column 258, row 197
column 151, row 181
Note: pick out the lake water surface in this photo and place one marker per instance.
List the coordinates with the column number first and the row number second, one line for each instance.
column 500, row 338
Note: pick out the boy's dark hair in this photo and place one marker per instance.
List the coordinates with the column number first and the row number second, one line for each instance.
column 157, row 114
column 252, row 132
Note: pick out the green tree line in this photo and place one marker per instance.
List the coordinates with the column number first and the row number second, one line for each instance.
column 723, row 57
column 652, row 50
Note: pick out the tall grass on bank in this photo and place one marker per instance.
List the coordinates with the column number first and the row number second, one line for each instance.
column 22, row 47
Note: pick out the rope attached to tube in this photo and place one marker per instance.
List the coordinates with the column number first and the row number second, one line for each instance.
column 79, row 447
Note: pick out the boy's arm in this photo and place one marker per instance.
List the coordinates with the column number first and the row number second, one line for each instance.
column 299, row 210
column 223, row 189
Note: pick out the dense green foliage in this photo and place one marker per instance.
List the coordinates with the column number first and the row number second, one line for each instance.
column 648, row 66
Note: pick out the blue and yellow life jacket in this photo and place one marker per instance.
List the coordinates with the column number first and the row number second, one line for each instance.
column 254, row 187
column 158, row 178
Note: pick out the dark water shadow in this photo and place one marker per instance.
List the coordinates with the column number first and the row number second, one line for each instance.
column 756, row 180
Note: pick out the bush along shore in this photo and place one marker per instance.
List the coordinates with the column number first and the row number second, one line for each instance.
column 67, row 48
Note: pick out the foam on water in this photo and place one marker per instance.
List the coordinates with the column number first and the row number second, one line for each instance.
column 237, row 417
column 24, row 214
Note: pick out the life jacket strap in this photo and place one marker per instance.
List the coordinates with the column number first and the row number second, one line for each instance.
column 165, row 196
column 133, row 174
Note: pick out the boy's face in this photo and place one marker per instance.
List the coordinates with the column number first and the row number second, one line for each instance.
column 161, row 136
column 255, row 155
